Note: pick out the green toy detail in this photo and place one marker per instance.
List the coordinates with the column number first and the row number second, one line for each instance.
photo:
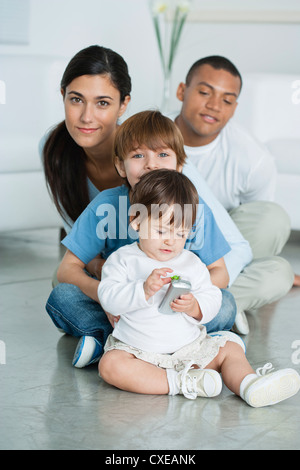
column 175, row 278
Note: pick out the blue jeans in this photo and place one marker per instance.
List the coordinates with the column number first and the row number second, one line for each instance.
column 78, row 315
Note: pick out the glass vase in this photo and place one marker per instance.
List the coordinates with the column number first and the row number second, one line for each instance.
column 166, row 98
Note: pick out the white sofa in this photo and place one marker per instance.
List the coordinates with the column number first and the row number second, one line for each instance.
column 269, row 107
column 34, row 104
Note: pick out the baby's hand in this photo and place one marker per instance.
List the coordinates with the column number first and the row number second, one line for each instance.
column 155, row 281
column 188, row 304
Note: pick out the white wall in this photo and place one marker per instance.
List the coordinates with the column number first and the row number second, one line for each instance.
column 59, row 28
column 62, row 27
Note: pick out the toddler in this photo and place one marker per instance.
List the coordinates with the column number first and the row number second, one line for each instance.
column 156, row 353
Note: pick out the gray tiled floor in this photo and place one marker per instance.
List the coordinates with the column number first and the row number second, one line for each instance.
column 45, row 403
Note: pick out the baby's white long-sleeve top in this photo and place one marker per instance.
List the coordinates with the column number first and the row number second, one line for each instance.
column 121, row 292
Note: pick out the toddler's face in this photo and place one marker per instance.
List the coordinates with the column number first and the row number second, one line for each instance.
column 161, row 240
column 142, row 160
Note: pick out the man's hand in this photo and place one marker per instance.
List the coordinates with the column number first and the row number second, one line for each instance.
column 155, row 281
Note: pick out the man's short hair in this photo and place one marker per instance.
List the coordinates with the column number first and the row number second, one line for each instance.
column 218, row 63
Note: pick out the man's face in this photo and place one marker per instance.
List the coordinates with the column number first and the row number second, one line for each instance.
column 208, row 102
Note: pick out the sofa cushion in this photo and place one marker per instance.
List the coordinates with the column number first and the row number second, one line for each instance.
column 267, row 106
column 19, row 153
column 25, row 202
column 288, row 196
column 286, row 153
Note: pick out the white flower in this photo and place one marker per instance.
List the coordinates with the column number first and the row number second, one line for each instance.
column 159, row 7
column 172, row 24
column 184, row 6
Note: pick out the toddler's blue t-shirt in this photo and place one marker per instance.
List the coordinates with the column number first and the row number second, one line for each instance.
column 103, row 227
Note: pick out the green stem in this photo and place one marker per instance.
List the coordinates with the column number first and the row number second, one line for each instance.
column 157, row 31
column 176, row 33
column 173, row 35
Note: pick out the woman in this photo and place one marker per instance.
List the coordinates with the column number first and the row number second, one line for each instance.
column 77, row 154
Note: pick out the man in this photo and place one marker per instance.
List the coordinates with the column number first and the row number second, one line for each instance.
column 242, row 175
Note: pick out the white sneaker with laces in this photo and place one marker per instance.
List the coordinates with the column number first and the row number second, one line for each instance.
column 269, row 387
column 195, row 383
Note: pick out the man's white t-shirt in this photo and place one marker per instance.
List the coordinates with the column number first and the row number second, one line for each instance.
column 237, row 168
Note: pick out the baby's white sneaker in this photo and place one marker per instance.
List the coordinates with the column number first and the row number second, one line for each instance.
column 193, row 383
column 268, row 387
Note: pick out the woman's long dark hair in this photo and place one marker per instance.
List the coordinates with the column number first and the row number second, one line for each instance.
column 64, row 160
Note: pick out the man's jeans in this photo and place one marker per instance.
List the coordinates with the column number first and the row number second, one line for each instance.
column 78, row 315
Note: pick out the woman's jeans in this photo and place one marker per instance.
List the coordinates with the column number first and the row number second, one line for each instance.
column 78, row 315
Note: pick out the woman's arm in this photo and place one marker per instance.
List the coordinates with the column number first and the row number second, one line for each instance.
column 71, row 271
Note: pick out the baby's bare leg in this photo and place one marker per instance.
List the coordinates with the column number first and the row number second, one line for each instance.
column 232, row 363
column 125, row 371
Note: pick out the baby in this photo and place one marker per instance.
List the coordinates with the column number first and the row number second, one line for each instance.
column 155, row 353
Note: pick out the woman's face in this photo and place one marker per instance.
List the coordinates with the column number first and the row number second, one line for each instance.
column 92, row 108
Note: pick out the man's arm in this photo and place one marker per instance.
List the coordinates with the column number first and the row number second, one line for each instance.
column 241, row 253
